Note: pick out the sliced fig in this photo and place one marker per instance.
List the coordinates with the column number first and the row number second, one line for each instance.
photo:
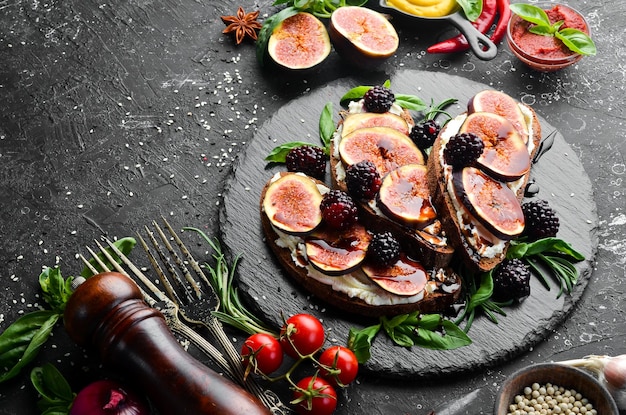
column 292, row 204
column 505, row 156
column 372, row 119
column 406, row 277
column 337, row 252
column 491, row 202
column 362, row 36
column 299, row 42
column 387, row 148
column 404, row 196
column 502, row 104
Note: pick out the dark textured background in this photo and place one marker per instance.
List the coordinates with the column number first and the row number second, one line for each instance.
column 114, row 113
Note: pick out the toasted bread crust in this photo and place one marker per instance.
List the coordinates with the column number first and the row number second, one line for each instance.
column 442, row 201
column 431, row 302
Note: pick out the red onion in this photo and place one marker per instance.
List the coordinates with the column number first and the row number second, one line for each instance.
column 611, row 371
column 106, row 397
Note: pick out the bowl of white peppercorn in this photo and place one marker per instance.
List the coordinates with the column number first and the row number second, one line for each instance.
column 551, row 388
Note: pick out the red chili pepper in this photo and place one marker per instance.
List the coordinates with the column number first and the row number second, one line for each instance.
column 505, row 15
column 459, row 43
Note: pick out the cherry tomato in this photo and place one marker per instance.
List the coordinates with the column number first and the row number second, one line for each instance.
column 263, row 352
column 303, row 332
column 314, row 396
column 340, row 365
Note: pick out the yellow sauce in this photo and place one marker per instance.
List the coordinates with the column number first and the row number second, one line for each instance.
column 425, row 8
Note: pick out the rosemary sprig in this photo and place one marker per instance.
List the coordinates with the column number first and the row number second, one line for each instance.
column 232, row 310
column 557, row 255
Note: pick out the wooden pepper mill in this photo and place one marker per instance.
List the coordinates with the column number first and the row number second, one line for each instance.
column 107, row 313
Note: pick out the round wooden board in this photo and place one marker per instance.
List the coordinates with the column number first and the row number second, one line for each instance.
column 559, row 174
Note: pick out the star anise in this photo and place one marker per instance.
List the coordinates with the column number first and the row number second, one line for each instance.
column 243, row 24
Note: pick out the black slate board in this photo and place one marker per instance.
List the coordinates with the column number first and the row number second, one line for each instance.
column 559, row 174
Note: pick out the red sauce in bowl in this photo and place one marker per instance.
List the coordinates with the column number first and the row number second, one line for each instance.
column 545, row 53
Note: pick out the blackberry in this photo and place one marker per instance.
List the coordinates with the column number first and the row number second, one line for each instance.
column 511, row 281
column 363, row 180
column 384, row 249
column 462, row 149
column 425, row 133
column 338, row 209
column 540, row 220
column 309, row 160
column 378, row 99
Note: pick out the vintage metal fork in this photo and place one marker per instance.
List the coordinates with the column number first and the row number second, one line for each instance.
column 186, row 298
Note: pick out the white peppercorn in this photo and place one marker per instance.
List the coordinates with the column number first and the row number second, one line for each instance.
column 550, row 399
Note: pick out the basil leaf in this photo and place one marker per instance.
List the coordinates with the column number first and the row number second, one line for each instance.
column 410, row 102
column 360, row 341
column 52, row 386
column 354, row 94
column 452, row 338
column 279, row 154
column 21, row 341
column 268, row 28
column 429, row 321
column 125, row 245
column 56, row 290
column 483, row 293
column 531, row 13
column 542, row 30
column 577, row 41
column 327, row 126
column 471, row 8
column 524, row 249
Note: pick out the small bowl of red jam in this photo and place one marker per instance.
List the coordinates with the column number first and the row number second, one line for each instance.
column 547, row 53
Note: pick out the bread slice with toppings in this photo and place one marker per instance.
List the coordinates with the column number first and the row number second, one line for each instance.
column 383, row 139
column 362, row 289
column 473, row 222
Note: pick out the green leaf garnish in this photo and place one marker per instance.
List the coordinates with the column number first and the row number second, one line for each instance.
column 21, row 341
column 410, row 102
column 430, row 331
column 279, row 153
column 327, row 126
column 56, row 396
column 319, row 8
column 574, row 39
column 577, row 41
column 360, row 341
column 471, row 8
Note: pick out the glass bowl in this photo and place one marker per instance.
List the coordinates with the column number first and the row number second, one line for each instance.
column 560, row 375
column 540, row 58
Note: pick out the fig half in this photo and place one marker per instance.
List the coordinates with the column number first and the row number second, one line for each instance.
column 502, row 104
column 387, row 148
column 299, row 42
column 372, row 119
column 292, row 204
column 406, row 277
column 362, row 36
column 491, row 202
column 505, row 155
column 404, row 196
column 337, row 252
